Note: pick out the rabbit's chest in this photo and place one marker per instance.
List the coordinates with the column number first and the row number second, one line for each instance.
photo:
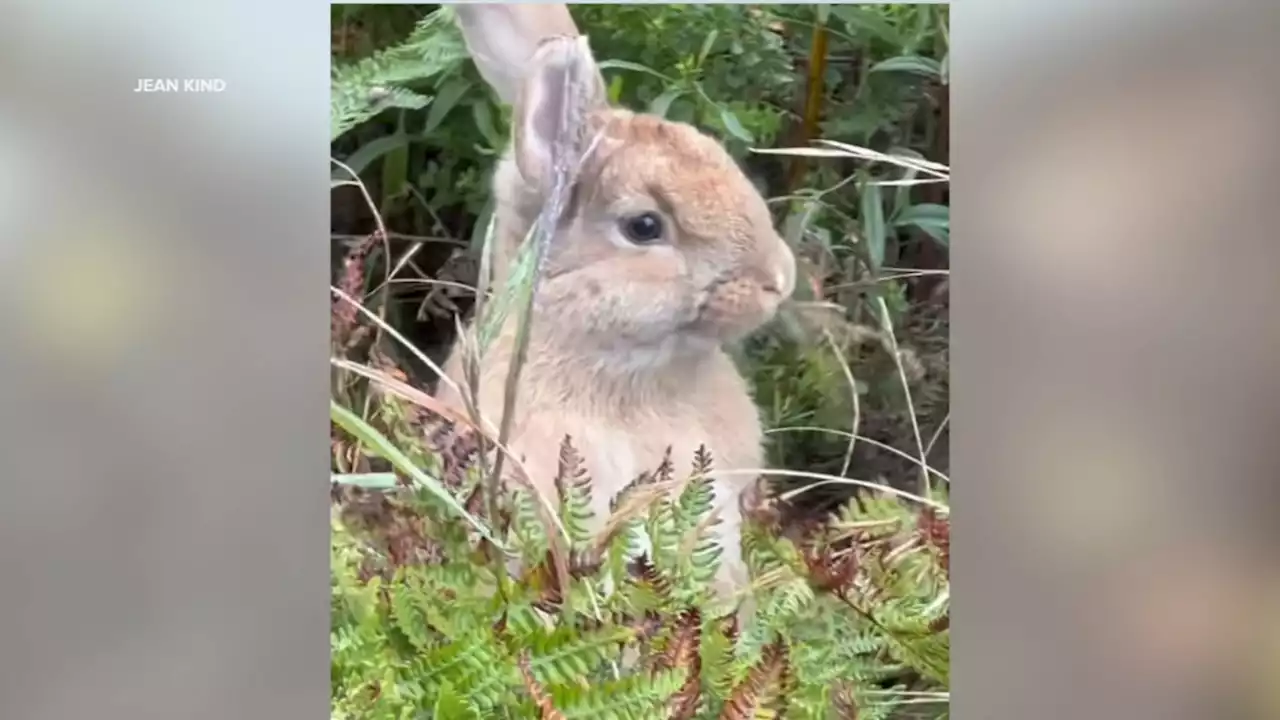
column 616, row 454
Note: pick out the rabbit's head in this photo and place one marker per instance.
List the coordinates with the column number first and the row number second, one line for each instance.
column 664, row 248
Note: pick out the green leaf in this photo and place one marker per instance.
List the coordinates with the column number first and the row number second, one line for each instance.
column 395, row 170
column 349, row 109
column 446, row 99
column 932, row 218
column 371, row 151
column 734, row 127
column 637, row 67
column 380, row 445
column 902, row 193
column 944, row 69
column 615, row 89
column 480, row 230
column 482, row 113
column 874, row 233
column 451, row 705
column 865, row 19
column 361, row 90
column 662, row 103
column 910, row 63
column 706, row 46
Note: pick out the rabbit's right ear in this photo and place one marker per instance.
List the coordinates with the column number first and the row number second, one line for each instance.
column 551, row 124
column 502, row 39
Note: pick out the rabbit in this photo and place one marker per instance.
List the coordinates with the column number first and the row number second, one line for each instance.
column 665, row 254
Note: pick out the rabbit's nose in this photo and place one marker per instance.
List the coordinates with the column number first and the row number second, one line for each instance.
column 776, row 284
column 781, row 284
column 784, row 274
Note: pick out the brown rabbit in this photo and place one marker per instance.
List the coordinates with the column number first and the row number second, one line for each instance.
column 665, row 253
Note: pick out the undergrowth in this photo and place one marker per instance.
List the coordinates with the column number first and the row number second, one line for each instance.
column 849, row 618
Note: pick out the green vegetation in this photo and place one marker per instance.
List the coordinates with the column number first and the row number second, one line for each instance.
column 839, row 112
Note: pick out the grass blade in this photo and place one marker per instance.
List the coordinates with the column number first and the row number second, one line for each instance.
column 383, row 447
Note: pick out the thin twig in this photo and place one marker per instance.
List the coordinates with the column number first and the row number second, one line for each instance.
column 853, row 393
column 928, row 449
column 887, row 326
column 403, row 237
column 825, row 479
column 863, row 438
column 396, row 334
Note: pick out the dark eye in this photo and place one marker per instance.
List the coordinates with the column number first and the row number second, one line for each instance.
column 643, row 229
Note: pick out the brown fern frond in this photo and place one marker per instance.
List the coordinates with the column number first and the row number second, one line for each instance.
column 686, row 703
column 845, row 705
column 761, row 507
column 829, row 570
column 546, row 709
column 686, row 635
column 571, row 470
column 935, row 530
column 666, row 469
column 786, row 685
column 759, row 687
column 645, row 572
column 620, row 499
column 389, row 525
column 684, row 651
column 344, row 316
column 458, row 447
column 702, row 461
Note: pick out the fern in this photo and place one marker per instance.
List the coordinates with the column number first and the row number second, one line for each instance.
column 362, row 89
column 574, row 488
column 842, row 618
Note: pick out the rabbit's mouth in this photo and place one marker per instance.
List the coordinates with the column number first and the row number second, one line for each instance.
column 734, row 306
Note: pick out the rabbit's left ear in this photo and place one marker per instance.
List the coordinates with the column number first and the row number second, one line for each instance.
column 501, row 39
column 562, row 88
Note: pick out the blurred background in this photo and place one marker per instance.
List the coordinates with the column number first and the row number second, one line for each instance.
column 1114, row 383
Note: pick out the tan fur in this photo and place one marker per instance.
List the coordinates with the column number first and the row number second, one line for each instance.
column 625, row 353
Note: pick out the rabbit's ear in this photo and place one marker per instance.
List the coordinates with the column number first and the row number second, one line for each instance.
column 501, row 39
column 562, row 88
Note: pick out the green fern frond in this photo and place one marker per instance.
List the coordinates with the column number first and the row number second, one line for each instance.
column 565, row 655
column 694, row 502
column 663, row 533
column 697, row 565
column 452, row 705
column 436, row 638
column 574, row 488
column 362, row 89
column 634, row 697
column 527, row 532
column 721, row 671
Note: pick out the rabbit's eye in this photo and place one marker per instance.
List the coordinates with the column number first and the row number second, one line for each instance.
column 643, row 229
